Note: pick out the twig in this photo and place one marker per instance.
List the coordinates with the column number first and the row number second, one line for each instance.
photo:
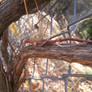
column 81, row 19
column 48, row 11
column 48, row 42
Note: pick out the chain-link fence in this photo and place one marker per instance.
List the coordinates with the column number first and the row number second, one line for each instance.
column 70, row 28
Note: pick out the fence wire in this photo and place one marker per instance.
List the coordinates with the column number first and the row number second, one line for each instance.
column 64, row 77
column 69, row 73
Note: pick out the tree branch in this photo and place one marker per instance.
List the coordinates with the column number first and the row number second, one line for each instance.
column 4, row 46
column 71, row 53
column 12, row 10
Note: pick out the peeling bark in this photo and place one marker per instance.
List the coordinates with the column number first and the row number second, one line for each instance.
column 4, row 46
column 78, row 53
column 71, row 53
column 12, row 10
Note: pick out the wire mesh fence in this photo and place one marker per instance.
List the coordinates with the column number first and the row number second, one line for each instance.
column 68, row 31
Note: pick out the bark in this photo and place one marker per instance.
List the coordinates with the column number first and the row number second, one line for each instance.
column 5, row 75
column 71, row 53
column 3, row 80
column 78, row 53
column 12, row 10
column 3, row 87
column 4, row 46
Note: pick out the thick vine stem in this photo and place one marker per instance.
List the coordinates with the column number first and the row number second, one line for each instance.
column 71, row 53
column 12, row 10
